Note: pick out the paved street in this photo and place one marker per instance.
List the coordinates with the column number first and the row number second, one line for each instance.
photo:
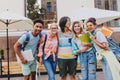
column 44, row 77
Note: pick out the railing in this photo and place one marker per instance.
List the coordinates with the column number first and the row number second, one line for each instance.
column 15, row 68
column 1, row 58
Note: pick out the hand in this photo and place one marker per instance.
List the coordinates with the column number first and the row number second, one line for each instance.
column 92, row 37
column 40, row 61
column 84, row 44
column 39, row 54
column 24, row 61
column 83, row 49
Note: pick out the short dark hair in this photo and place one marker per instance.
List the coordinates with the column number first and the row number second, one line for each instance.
column 38, row 21
column 63, row 22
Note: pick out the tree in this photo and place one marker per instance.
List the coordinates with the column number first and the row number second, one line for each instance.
column 43, row 13
column 33, row 9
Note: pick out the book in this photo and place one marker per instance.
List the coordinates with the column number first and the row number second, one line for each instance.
column 107, row 31
column 27, row 54
column 85, row 38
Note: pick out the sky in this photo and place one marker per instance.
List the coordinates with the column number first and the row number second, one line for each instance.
column 39, row 2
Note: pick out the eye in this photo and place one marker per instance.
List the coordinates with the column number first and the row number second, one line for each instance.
column 77, row 26
column 39, row 26
column 89, row 25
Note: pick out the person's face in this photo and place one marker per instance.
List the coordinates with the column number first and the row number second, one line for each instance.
column 90, row 27
column 54, row 29
column 37, row 28
column 77, row 28
column 68, row 23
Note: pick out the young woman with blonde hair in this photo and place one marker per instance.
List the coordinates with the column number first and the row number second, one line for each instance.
column 82, row 47
column 48, row 51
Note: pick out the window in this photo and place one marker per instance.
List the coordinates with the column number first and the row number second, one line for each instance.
column 49, row 7
column 98, row 3
column 107, row 4
column 114, row 5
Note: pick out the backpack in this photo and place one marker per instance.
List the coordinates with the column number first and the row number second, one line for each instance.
column 27, row 40
column 114, row 47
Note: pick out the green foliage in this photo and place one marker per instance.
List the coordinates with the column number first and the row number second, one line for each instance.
column 1, row 52
column 33, row 10
column 119, row 44
column 43, row 13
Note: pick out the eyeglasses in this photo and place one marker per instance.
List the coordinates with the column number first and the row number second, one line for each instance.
column 54, row 28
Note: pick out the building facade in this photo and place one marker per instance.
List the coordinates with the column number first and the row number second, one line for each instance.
column 50, row 6
column 106, row 4
column 109, row 5
column 50, row 10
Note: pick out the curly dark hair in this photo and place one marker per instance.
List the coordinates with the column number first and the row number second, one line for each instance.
column 38, row 21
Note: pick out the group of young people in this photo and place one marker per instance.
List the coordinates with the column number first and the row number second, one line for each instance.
column 64, row 47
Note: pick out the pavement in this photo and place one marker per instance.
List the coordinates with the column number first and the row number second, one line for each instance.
column 99, row 75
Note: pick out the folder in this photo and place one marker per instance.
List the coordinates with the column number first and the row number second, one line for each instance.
column 85, row 38
column 27, row 54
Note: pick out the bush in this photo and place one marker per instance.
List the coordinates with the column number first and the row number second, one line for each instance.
column 2, row 53
column 119, row 44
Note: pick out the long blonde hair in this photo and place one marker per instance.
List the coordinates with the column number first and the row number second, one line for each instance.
column 57, row 35
column 74, row 33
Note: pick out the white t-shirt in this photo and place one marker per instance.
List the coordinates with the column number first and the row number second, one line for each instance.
column 101, row 38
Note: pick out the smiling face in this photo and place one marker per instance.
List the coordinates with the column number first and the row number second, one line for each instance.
column 77, row 28
column 54, row 28
column 37, row 28
column 91, row 27
column 67, row 25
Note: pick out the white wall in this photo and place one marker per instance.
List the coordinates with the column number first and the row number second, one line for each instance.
column 118, row 5
column 66, row 6
column 16, row 6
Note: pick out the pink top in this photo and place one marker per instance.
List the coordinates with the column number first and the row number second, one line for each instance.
column 50, row 46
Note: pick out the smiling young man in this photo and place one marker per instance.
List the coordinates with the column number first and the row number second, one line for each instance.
column 29, row 66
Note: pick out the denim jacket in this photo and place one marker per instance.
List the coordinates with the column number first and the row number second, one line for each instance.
column 74, row 49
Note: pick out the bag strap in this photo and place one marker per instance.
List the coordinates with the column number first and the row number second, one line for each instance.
column 26, row 41
column 44, row 43
column 40, row 35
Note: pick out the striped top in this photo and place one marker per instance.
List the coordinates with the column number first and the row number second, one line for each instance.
column 65, row 46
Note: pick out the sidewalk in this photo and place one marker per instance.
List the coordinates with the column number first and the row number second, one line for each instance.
column 44, row 77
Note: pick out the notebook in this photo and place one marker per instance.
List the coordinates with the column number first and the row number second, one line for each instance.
column 27, row 54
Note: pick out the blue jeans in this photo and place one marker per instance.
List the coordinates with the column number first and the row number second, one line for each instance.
column 106, row 69
column 50, row 66
column 88, row 65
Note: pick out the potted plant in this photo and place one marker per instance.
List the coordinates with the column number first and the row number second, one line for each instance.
column 2, row 53
column 119, row 44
